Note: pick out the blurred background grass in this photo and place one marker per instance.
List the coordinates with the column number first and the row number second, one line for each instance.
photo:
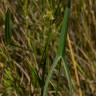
column 21, row 67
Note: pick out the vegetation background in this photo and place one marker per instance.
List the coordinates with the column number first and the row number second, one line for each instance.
column 35, row 27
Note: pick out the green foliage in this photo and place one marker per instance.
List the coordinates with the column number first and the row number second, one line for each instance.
column 61, row 53
column 10, row 84
column 8, row 27
column 35, row 63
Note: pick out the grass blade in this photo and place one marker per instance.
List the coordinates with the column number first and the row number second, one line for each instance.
column 8, row 31
column 61, row 52
column 63, row 36
column 68, row 76
column 62, row 44
column 44, row 59
column 50, row 75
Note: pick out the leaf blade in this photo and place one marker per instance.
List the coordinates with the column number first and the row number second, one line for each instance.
column 8, row 31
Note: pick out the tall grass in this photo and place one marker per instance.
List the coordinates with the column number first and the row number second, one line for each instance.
column 8, row 27
column 61, row 52
column 35, row 59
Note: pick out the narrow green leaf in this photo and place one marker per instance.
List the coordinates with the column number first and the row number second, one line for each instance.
column 50, row 75
column 8, row 31
column 63, row 35
column 62, row 44
column 44, row 59
column 61, row 52
column 68, row 76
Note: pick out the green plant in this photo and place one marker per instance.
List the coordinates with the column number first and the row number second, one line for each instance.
column 8, row 27
column 31, row 44
column 61, row 52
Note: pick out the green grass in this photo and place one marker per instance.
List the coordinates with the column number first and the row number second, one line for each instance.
column 61, row 53
column 47, row 48
column 8, row 27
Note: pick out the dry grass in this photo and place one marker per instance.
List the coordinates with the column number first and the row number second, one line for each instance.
column 21, row 66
